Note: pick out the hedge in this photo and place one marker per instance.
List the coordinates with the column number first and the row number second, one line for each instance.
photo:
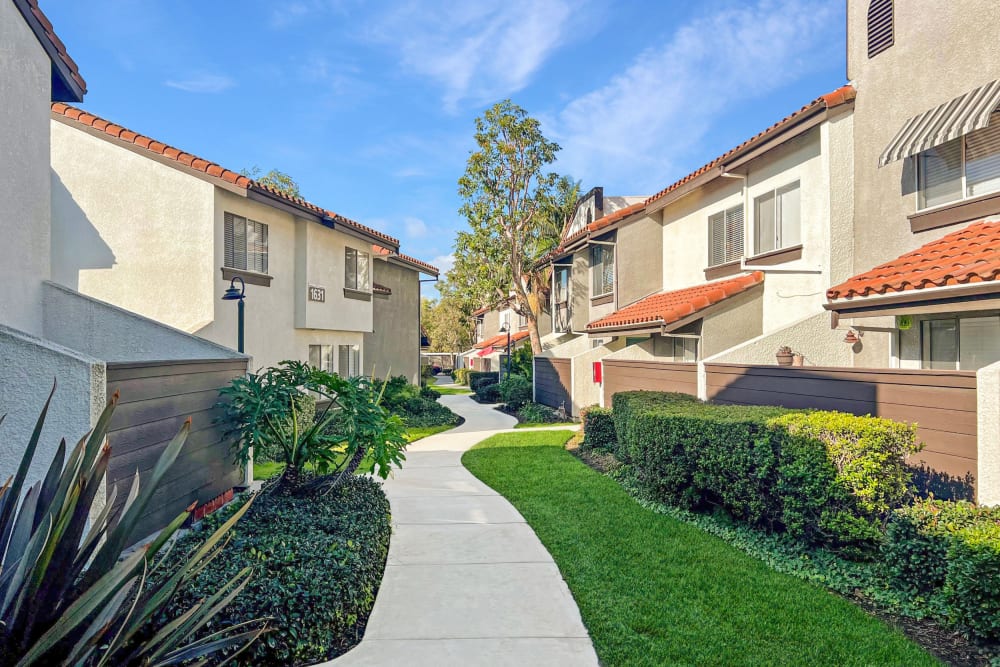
column 475, row 377
column 598, row 429
column 515, row 391
column 318, row 563
column 460, row 376
column 824, row 477
column 488, row 392
column 949, row 549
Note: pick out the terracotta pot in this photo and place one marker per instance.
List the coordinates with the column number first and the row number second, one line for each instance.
column 784, row 359
column 798, row 360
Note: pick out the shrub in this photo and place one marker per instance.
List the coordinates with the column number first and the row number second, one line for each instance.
column 515, row 391
column 952, row 550
column 419, row 411
column 522, row 361
column 488, row 392
column 625, row 405
column 475, row 377
column 536, row 413
column 429, row 393
column 460, row 375
column 319, row 560
column 598, row 429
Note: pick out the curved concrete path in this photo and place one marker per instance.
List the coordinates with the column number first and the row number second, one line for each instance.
column 467, row 581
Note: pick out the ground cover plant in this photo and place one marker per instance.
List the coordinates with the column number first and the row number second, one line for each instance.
column 654, row 590
column 319, row 559
column 416, row 406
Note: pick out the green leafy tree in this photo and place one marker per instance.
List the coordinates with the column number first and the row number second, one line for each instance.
column 515, row 210
column 448, row 320
column 275, row 179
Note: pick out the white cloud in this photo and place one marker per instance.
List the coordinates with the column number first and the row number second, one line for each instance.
column 643, row 122
column 415, row 227
column 203, row 83
column 444, row 263
column 476, row 51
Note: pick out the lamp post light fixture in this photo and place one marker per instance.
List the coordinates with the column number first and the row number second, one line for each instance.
column 506, row 328
column 234, row 293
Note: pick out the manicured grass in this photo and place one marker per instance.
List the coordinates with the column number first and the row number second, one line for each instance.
column 452, row 391
column 654, row 591
column 418, row 432
column 544, row 424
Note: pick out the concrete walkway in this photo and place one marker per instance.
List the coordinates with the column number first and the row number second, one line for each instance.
column 467, row 581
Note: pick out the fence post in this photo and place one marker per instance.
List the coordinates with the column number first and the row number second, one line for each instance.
column 988, row 434
column 702, row 381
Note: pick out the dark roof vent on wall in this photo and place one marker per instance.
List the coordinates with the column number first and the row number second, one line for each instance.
column 880, row 26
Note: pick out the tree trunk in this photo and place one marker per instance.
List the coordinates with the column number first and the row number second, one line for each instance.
column 536, row 340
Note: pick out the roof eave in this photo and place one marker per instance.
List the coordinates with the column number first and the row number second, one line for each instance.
column 959, row 296
column 65, row 87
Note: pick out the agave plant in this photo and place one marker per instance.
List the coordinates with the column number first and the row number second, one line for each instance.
column 69, row 595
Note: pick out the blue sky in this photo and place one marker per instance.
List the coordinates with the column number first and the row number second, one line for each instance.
column 370, row 105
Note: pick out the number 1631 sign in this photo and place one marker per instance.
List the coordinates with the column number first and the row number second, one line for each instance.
column 317, row 293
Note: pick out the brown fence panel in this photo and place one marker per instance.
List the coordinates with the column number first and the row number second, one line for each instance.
column 553, row 382
column 635, row 375
column 155, row 399
column 941, row 403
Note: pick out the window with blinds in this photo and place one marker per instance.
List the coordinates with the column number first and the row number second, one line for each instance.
column 602, row 267
column 321, row 357
column 965, row 167
column 725, row 236
column 356, row 270
column 245, row 244
column 880, row 26
column 777, row 219
column 348, row 360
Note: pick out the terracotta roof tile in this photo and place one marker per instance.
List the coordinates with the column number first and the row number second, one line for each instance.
column 842, row 95
column 969, row 255
column 481, row 311
column 381, row 289
column 57, row 43
column 615, row 216
column 501, row 340
column 667, row 307
column 430, row 268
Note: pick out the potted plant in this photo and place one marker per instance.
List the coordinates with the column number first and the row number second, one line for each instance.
column 798, row 359
column 784, row 356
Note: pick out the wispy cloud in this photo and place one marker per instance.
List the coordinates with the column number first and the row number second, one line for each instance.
column 476, row 51
column 444, row 263
column 415, row 227
column 654, row 115
column 203, row 82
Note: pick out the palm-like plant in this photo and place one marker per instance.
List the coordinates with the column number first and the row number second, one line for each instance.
column 68, row 594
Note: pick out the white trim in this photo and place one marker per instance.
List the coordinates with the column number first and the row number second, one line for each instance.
column 947, row 290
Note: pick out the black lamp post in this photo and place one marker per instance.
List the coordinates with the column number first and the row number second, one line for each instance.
column 234, row 293
column 506, row 327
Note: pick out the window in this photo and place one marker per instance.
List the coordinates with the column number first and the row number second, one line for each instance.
column 777, row 219
column 245, row 244
column 479, row 329
column 348, row 360
column 880, row 26
column 685, row 349
column 965, row 167
column 356, row 270
column 321, row 357
column 960, row 343
column 725, row 233
column 560, row 293
column 522, row 321
column 602, row 266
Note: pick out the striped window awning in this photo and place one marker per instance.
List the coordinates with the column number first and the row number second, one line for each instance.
column 940, row 125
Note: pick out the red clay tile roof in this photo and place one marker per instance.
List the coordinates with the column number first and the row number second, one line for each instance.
column 970, row 255
column 381, row 289
column 481, row 311
column 211, row 168
column 668, row 307
column 429, row 268
column 842, row 95
column 597, row 225
column 60, row 48
column 501, row 340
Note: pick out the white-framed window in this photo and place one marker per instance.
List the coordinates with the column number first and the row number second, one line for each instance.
column 602, row 268
column 960, row 343
column 777, row 219
column 245, row 243
column 356, row 270
column 961, row 168
column 348, row 360
column 321, row 357
column 522, row 321
column 685, row 349
column 725, row 236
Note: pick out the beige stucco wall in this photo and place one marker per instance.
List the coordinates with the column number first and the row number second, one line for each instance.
column 639, row 255
column 811, row 337
column 741, row 319
column 394, row 345
column 988, row 427
column 586, row 392
column 25, row 96
column 941, row 50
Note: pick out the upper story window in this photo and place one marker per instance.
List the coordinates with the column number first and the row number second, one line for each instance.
column 245, row 243
column 725, row 236
column 961, row 168
column 881, row 31
column 522, row 321
column 602, row 267
column 479, row 329
column 777, row 219
column 356, row 270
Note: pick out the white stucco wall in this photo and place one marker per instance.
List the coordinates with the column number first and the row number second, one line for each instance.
column 568, row 348
column 988, row 418
column 324, row 254
column 29, row 366
column 25, row 97
column 586, row 392
column 810, row 336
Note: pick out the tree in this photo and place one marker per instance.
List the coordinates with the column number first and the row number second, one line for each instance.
column 448, row 320
column 275, row 179
column 515, row 213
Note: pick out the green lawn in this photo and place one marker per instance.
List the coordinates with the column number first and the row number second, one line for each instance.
column 452, row 391
column 655, row 591
column 544, row 424
column 270, row 469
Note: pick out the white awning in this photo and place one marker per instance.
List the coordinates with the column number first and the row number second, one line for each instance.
column 942, row 124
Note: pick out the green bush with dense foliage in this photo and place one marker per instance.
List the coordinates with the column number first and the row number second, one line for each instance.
column 949, row 550
column 522, row 362
column 476, row 378
column 460, row 376
column 827, row 478
column 69, row 595
column 429, row 393
column 488, row 391
column 536, row 413
column 417, row 406
column 598, row 429
column 515, row 391
column 319, row 560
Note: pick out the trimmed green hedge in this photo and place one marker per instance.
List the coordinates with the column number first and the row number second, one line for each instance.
column 949, row 549
column 824, row 477
column 460, row 376
column 515, row 391
column 318, row 563
column 482, row 377
column 598, row 429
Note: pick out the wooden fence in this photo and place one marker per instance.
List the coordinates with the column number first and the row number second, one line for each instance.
column 634, row 375
column 941, row 403
column 553, row 382
column 155, row 399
